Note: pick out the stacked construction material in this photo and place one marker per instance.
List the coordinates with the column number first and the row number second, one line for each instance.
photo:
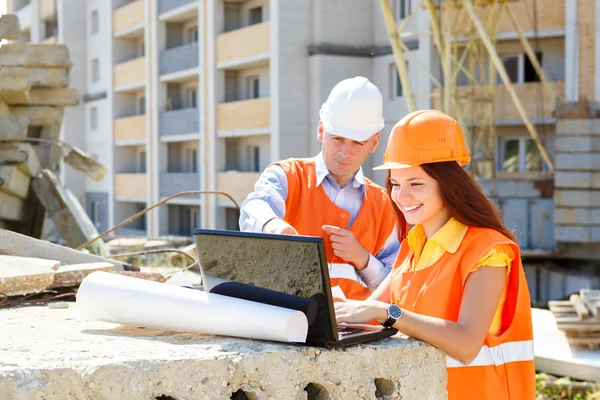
column 34, row 91
column 579, row 317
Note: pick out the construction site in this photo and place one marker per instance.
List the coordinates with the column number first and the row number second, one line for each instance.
column 126, row 124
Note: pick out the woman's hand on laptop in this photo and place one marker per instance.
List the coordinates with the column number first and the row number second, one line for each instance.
column 352, row 311
column 278, row 226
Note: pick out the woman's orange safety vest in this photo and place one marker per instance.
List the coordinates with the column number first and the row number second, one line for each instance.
column 504, row 368
column 309, row 208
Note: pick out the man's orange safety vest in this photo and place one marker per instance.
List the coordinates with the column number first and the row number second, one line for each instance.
column 309, row 208
column 504, row 368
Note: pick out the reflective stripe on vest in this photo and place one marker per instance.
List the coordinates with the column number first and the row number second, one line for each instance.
column 344, row 271
column 498, row 355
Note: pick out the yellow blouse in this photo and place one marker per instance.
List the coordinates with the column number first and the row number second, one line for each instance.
column 447, row 239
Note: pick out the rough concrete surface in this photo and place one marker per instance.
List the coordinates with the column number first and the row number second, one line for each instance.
column 54, row 354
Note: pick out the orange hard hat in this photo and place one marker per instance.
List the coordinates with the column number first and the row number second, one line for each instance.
column 423, row 137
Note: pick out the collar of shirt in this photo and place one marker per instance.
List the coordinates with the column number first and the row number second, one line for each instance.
column 322, row 173
column 446, row 239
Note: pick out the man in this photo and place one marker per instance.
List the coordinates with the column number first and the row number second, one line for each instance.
column 328, row 195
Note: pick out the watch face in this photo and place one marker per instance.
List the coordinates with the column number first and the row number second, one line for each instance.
column 394, row 311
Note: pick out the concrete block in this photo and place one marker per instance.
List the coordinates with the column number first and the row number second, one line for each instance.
column 574, row 180
column 108, row 361
column 21, row 154
column 13, row 127
column 576, row 198
column 500, row 188
column 572, row 234
column 11, row 208
column 576, row 144
column 35, row 55
column 9, row 27
column 577, row 161
column 13, row 78
column 526, row 189
column 48, row 77
column 577, row 216
column 578, row 127
column 14, row 181
column 40, row 115
column 49, row 97
column 541, row 218
column 73, row 275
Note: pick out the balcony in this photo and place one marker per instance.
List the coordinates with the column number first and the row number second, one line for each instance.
column 243, row 47
column 179, row 122
column 528, row 93
column 130, row 130
column 548, row 19
column 179, row 58
column 128, row 21
column 47, row 8
column 131, row 186
column 175, row 182
column 168, row 5
column 130, row 74
column 237, row 184
column 244, row 115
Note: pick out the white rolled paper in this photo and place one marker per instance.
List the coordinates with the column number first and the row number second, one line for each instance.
column 131, row 301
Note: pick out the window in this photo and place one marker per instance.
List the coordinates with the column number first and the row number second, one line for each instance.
column 518, row 155
column 142, row 162
column 95, row 213
column 192, row 34
column 95, row 70
column 194, row 218
column 141, row 48
column 142, row 220
column 94, row 118
column 253, row 153
column 255, row 15
column 395, row 83
column 253, row 87
column 402, row 8
column 49, row 28
column 141, row 108
column 95, row 22
column 191, row 97
column 192, row 160
column 519, row 68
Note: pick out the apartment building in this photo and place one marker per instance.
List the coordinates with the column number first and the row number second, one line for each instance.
column 203, row 94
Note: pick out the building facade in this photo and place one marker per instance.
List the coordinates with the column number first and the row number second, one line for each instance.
column 184, row 95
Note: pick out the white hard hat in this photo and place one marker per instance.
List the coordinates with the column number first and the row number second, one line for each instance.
column 354, row 109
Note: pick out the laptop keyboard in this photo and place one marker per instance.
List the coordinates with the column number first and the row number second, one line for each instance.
column 344, row 331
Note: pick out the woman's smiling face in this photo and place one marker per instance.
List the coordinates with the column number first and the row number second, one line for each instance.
column 419, row 198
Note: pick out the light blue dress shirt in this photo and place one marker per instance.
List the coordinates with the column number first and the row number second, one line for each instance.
column 268, row 202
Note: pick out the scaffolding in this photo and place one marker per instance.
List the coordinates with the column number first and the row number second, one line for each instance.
column 464, row 34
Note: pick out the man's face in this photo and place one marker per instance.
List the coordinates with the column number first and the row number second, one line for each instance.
column 343, row 156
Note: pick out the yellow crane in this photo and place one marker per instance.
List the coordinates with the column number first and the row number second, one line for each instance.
column 464, row 33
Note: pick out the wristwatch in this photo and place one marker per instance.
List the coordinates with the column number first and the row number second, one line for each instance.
column 394, row 313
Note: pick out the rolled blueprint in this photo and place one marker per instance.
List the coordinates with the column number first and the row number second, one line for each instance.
column 131, row 301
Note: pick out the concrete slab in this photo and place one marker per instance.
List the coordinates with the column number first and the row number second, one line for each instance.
column 554, row 354
column 23, row 275
column 54, row 354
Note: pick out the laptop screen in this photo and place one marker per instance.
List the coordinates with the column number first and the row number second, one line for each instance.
column 288, row 264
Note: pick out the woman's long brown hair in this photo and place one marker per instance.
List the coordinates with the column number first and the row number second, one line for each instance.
column 463, row 198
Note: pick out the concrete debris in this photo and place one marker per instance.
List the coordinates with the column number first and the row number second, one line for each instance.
column 72, row 275
column 9, row 27
column 20, row 276
column 17, row 244
column 34, row 91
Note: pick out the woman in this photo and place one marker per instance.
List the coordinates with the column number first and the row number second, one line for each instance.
column 458, row 282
